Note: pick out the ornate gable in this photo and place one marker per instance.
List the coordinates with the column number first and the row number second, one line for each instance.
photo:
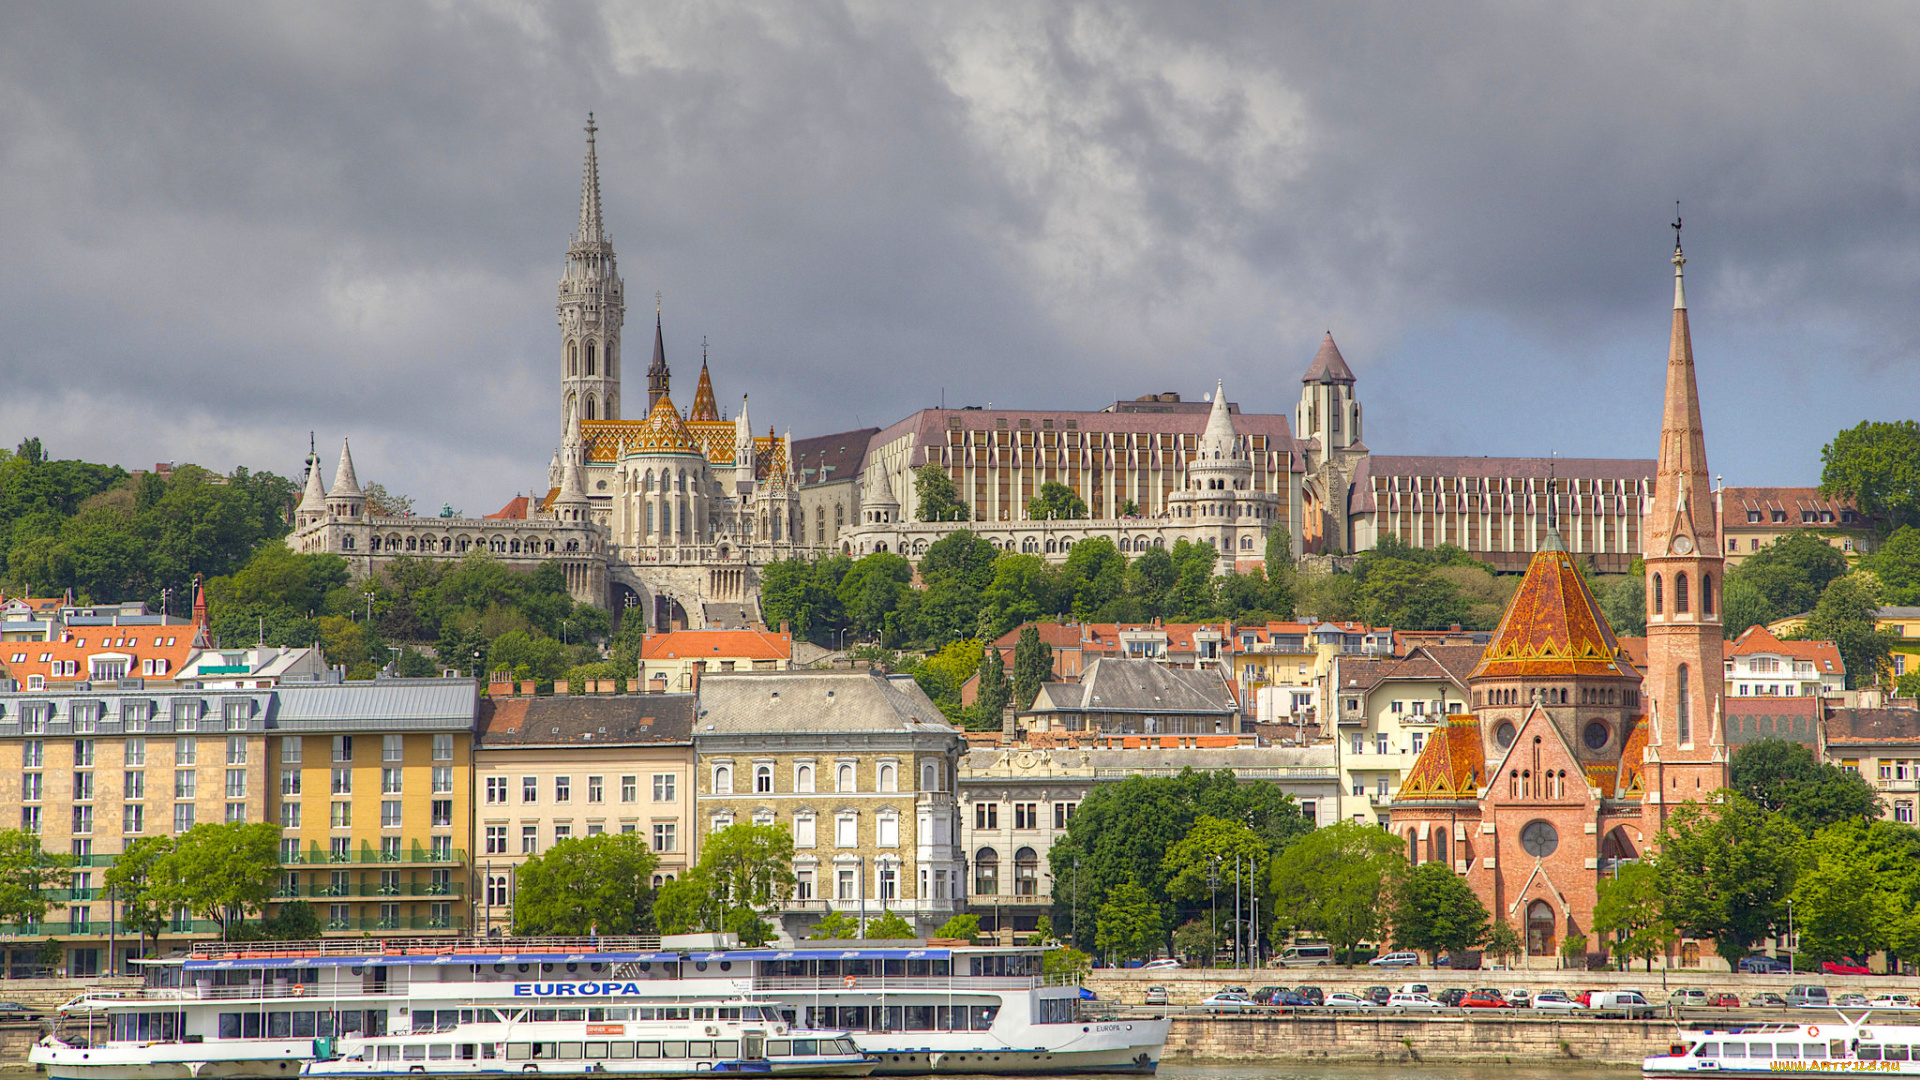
column 1537, row 763
column 1452, row 766
column 1552, row 627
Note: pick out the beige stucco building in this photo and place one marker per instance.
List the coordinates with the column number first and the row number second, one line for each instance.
column 549, row 769
column 859, row 767
column 1384, row 711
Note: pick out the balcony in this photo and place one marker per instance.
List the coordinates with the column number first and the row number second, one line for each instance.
column 1896, row 785
column 452, row 924
column 315, row 855
column 452, row 890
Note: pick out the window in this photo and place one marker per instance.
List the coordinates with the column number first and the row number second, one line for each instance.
column 723, row 780
column 529, row 839
column 82, row 820
column 1659, row 594
column 803, row 779
column 289, row 815
column 1680, row 594
column 663, row 836
column 343, row 781
column 889, row 831
column 1380, row 743
column 184, row 783
column 134, row 752
column 1685, row 708
column 1706, row 594
column 529, row 789
column 442, row 811
column 562, row 789
column 443, row 747
column 889, row 883
column 846, row 831
column 763, row 779
column 236, row 813
column 133, row 818
column 390, row 814
column 1419, row 741
column 1026, row 815
column 496, row 790
column 343, row 748
column 803, row 880
column 663, row 788
column 986, row 815
column 236, row 783
column 392, row 747
column 236, row 751
column 803, row 831
column 31, row 786
column 889, row 778
column 496, row 839
column 185, row 751
column 30, row 820
column 133, row 784
column 1026, row 872
column 390, row 781
column 986, row 872
column 844, row 779
column 290, row 750
column 1063, row 813
column 33, row 753
column 847, row 885
column 562, row 832
column 1359, row 745
column 182, row 817
column 1903, row 811
column 629, row 789
column 83, row 787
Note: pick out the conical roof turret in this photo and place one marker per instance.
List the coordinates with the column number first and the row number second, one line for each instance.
column 1328, row 366
column 345, row 484
column 878, row 491
column 1218, row 443
column 314, row 501
column 1683, row 489
column 1552, row 626
column 572, row 494
column 591, row 232
column 704, row 406
column 658, row 376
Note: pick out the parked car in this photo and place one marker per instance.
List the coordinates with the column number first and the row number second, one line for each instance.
column 1892, row 1001
column 1554, row 1001
column 1483, row 999
column 1226, row 1001
column 1165, row 963
column 1292, row 999
column 1413, row 1003
column 1846, row 965
column 1421, row 989
column 1763, row 965
column 1450, row 997
column 1518, row 998
column 13, row 1010
column 1306, row 956
column 1767, row 1000
column 1624, row 1003
column 1264, row 995
column 1313, row 994
column 1723, row 1000
column 1241, row 990
column 1808, row 997
column 1691, row 997
column 1852, row 1001
column 1156, row 995
column 1584, row 998
column 1340, row 1000
column 1396, row 959
column 1377, row 994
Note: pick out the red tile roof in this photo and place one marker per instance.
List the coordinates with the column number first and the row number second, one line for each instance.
column 152, row 652
column 700, row 644
column 1552, row 626
column 1452, row 764
column 515, row 510
column 1758, row 640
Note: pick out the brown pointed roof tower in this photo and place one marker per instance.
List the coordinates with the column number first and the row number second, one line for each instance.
column 1328, row 365
column 704, row 407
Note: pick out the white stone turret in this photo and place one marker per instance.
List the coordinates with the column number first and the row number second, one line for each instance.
column 345, row 499
column 571, row 503
column 744, row 462
column 877, row 504
column 313, row 504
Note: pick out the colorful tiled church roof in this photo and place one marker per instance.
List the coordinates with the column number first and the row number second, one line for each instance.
column 704, row 407
column 1633, row 767
column 1552, row 627
column 662, row 432
column 1452, row 764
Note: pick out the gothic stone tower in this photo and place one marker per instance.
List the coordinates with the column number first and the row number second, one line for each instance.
column 592, row 308
column 1687, row 753
column 1328, row 422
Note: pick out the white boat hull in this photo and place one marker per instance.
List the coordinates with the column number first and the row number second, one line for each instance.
column 256, row 1060
column 1110, row 1046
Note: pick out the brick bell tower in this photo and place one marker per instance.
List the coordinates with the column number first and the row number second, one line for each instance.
column 1687, row 752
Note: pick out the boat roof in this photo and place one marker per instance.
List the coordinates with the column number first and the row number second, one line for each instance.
column 215, row 956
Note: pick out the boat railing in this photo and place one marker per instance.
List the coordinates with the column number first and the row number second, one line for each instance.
column 902, row 983
column 431, row 946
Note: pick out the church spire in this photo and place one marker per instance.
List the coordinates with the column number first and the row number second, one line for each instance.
column 591, row 231
column 657, row 374
column 345, row 484
column 704, row 405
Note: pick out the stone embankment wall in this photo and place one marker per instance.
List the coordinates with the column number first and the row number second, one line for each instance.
column 1513, row 1039
column 1188, row 986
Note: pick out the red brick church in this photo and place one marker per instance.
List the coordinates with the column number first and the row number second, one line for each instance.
column 1571, row 758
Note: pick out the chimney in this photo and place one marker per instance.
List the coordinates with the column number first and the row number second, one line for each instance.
column 784, row 627
column 698, row 667
column 560, row 687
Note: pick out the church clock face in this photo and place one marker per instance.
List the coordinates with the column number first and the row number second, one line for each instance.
column 1682, row 545
column 1539, row 839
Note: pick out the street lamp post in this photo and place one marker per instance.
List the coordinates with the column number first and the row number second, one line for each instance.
column 1073, row 914
column 1790, row 935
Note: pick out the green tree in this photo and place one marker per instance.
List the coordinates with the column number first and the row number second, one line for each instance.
column 295, row 920
column 1199, row 940
column 1897, row 567
column 1503, row 942
column 1842, row 903
column 1032, row 665
column 889, row 927
column 835, row 927
column 1095, row 575
column 28, row 873
column 1279, row 551
column 961, row 928
column 219, row 872
column 1408, row 595
column 1624, row 603
column 743, row 866
column 933, row 490
column 1847, row 615
column 1129, row 926
column 874, row 588
column 995, row 690
column 1436, row 911
column 1192, row 865
column 587, row 884
column 946, row 672
column 1784, row 777
column 1633, row 910
column 1742, row 605
column 1339, row 882
column 1056, row 500
column 1726, row 868
column 1791, row 572
column 1876, row 466
column 130, row 881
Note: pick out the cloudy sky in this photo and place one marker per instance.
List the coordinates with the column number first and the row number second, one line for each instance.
column 225, row 225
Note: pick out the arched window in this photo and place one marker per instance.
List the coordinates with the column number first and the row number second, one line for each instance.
column 1659, row 595
column 588, row 414
column 1413, row 847
column 1680, row 594
column 1685, row 707
column 986, row 872
column 844, row 779
column 929, row 777
column 590, row 363
column 803, row 778
column 723, row 780
column 1706, row 594
column 763, row 779
column 573, row 358
column 1540, row 935
column 1026, row 872
column 889, row 780
column 649, row 519
column 1440, row 843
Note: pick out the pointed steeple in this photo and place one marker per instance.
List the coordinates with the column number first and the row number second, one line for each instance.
column 313, row 504
column 570, row 504
column 657, row 374
column 590, row 231
column 345, row 484
column 1328, row 365
column 1218, row 442
column 1683, row 488
column 704, row 407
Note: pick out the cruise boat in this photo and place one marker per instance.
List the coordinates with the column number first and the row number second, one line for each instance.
column 1841, row 1045
column 262, row 1009
column 731, row 1037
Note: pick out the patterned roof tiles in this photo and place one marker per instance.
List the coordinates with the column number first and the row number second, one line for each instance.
column 663, row 432
column 1552, row 627
column 1633, row 768
column 1451, row 766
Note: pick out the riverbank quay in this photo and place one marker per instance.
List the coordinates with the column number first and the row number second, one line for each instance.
column 1511, row 1039
column 1187, row 986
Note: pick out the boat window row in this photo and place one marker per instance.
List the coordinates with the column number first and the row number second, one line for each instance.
column 835, row 969
column 1885, row 1052
column 602, row 1051
column 146, row 1026
column 302, row 1025
column 902, row 1017
column 1779, row 1051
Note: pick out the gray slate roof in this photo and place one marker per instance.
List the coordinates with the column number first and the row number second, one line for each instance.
column 811, row 702
column 626, row 720
column 1143, row 686
column 383, row 704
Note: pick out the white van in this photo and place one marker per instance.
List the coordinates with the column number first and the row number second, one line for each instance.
column 1306, row 956
column 1624, row 1003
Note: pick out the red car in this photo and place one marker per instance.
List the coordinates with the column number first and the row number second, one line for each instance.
column 1723, row 1000
column 1484, row 999
column 1846, row 965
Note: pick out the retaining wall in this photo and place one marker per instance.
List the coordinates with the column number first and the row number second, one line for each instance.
column 1508, row 1040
